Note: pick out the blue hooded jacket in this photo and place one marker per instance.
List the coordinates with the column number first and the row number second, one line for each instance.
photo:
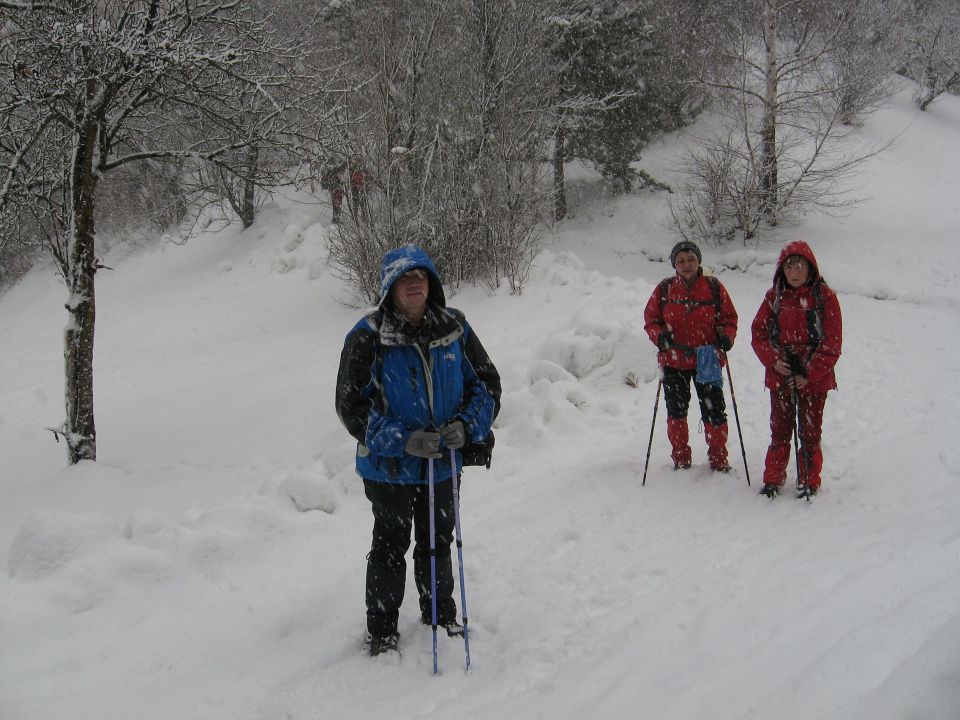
column 395, row 379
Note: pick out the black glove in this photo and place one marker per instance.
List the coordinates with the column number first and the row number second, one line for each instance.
column 424, row 443
column 453, row 434
column 665, row 341
column 723, row 342
column 797, row 366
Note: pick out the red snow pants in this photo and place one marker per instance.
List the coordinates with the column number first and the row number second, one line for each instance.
column 782, row 414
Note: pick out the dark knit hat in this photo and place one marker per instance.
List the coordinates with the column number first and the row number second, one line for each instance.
column 684, row 246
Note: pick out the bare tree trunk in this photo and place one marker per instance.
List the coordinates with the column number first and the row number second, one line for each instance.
column 175, row 190
column 248, row 210
column 768, row 129
column 79, row 428
column 559, row 191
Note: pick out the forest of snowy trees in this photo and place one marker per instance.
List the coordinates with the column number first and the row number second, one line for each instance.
column 455, row 117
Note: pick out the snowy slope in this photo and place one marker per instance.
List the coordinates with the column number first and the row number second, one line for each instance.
column 211, row 564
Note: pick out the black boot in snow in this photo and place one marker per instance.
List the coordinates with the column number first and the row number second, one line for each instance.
column 453, row 628
column 380, row 644
column 770, row 490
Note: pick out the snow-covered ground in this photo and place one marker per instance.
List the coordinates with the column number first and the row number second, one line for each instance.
column 211, row 564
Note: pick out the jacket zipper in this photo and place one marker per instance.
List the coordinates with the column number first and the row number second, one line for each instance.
column 428, row 379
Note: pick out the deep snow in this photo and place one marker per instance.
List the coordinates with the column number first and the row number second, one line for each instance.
column 211, row 564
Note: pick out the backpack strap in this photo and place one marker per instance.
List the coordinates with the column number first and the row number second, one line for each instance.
column 775, row 317
column 664, row 290
column 815, row 315
column 714, row 284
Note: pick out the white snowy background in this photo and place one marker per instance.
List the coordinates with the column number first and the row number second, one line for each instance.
column 211, row 564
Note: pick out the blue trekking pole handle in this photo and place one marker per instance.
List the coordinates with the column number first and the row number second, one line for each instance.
column 455, row 479
column 433, row 565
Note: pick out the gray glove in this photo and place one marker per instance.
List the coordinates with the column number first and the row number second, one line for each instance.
column 453, row 434
column 424, row 443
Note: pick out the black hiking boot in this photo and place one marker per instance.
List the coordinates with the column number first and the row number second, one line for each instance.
column 770, row 490
column 453, row 628
column 380, row 644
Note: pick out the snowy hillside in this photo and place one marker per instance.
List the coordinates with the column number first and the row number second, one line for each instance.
column 211, row 564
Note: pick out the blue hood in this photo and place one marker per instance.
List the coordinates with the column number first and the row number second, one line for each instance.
column 396, row 262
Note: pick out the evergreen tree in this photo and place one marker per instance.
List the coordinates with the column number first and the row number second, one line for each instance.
column 610, row 51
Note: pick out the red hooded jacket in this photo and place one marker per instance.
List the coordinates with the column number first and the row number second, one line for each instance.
column 792, row 320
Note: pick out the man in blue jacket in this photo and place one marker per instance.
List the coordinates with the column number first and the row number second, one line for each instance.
column 414, row 380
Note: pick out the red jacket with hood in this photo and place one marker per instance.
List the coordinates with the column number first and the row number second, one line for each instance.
column 792, row 320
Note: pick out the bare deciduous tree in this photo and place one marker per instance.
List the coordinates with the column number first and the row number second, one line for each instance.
column 932, row 52
column 783, row 76
column 97, row 85
column 448, row 120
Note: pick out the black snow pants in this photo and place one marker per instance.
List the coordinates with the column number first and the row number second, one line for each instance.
column 396, row 508
column 676, row 393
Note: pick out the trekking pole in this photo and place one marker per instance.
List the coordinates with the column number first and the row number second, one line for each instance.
column 433, row 565
column 653, row 424
column 802, row 485
column 801, row 480
column 736, row 414
column 456, row 523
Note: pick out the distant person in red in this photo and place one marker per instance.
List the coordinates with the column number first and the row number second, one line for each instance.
column 797, row 334
column 358, row 183
column 332, row 181
column 687, row 311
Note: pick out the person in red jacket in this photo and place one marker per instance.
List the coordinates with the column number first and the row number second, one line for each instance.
column 332, row 180
column 687, row 311
column 797, row 334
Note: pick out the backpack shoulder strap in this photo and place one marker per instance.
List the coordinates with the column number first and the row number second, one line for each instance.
column 663, row 289
column 373, row 325
column 815, row 315
column 714, row 284
column 715, row 288
column 775, row 316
